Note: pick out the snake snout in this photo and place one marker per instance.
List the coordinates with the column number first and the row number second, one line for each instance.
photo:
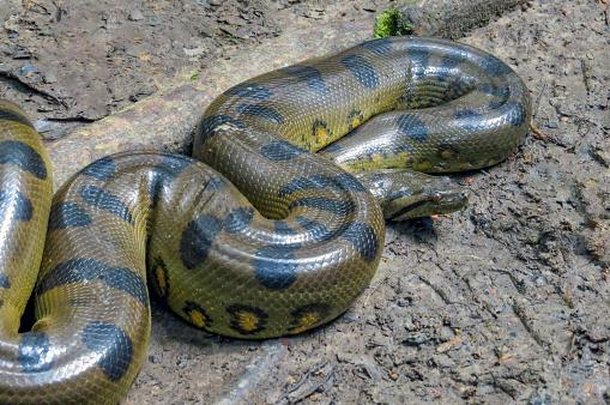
column 426, row 202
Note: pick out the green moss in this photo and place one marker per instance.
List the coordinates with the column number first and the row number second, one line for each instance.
column 194, row 76
column 391, row 22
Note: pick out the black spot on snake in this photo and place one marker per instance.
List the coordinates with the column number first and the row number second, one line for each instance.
column 13, row 116
column 34, row 355
column 172, row 164
column 274, row 267
column 411, row 126
column 112, row 346
column 494, row 66
column 15, row 206
column 101, row 169
column 197, row 240
column 297, row 184
column 419, row 60
column 197, row 315
column 155, row 186
column 280, row 150
column 88, row 270
column 238, row 219
column 469, row 120
column 68, row 215
column 364, row 239
column 362, row 70
column 256, row 110
column 247, row 319
column 492, row 90
column 282, row 228
column 250, row 90
column 337, row 207
column 208, row 125
column 495, row 104
column 349, row 182
column 311, row 75
column 381, row 46
column 318, row 231
column 23, row 156
column 105, row 201
column 167, row 170
column 215, row 183
column 448, row 63
column 4, row 281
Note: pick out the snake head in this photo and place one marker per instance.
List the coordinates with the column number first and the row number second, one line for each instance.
column 405, row 194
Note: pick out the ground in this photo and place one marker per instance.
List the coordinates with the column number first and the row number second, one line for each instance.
column 506, row 301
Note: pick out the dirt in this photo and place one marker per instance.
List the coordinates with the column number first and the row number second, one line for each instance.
column 504, row 302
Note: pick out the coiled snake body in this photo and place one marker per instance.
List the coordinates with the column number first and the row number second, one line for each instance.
column 283, row 241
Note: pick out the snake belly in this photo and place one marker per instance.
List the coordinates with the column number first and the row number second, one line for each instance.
column 263, row 239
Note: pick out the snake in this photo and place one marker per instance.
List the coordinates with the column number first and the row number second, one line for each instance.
column 274, row 227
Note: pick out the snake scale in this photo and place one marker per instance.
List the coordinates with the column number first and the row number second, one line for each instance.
column 282, row 241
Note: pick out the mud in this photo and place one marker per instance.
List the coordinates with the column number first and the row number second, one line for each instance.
column 505, row 302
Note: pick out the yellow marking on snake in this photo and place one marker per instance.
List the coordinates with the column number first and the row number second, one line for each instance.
column 306, row 321
column 321, row 134
column 161, row 281
column 247, row 321
column 197, row 318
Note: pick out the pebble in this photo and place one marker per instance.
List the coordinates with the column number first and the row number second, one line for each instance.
column 135, row 15
column 49, row 77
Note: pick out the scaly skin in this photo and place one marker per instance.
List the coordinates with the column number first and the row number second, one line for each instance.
column 282, row 241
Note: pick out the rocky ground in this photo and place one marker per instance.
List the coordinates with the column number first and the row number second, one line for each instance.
column 505, row 302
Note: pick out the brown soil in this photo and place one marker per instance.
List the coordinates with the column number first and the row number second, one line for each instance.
column 504, row 302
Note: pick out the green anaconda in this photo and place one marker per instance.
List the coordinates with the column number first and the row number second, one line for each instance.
column 262, row 239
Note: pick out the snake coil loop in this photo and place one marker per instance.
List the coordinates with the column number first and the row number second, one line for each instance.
column 282, row 241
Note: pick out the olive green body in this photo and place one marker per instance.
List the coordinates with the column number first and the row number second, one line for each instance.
column 264, row 238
